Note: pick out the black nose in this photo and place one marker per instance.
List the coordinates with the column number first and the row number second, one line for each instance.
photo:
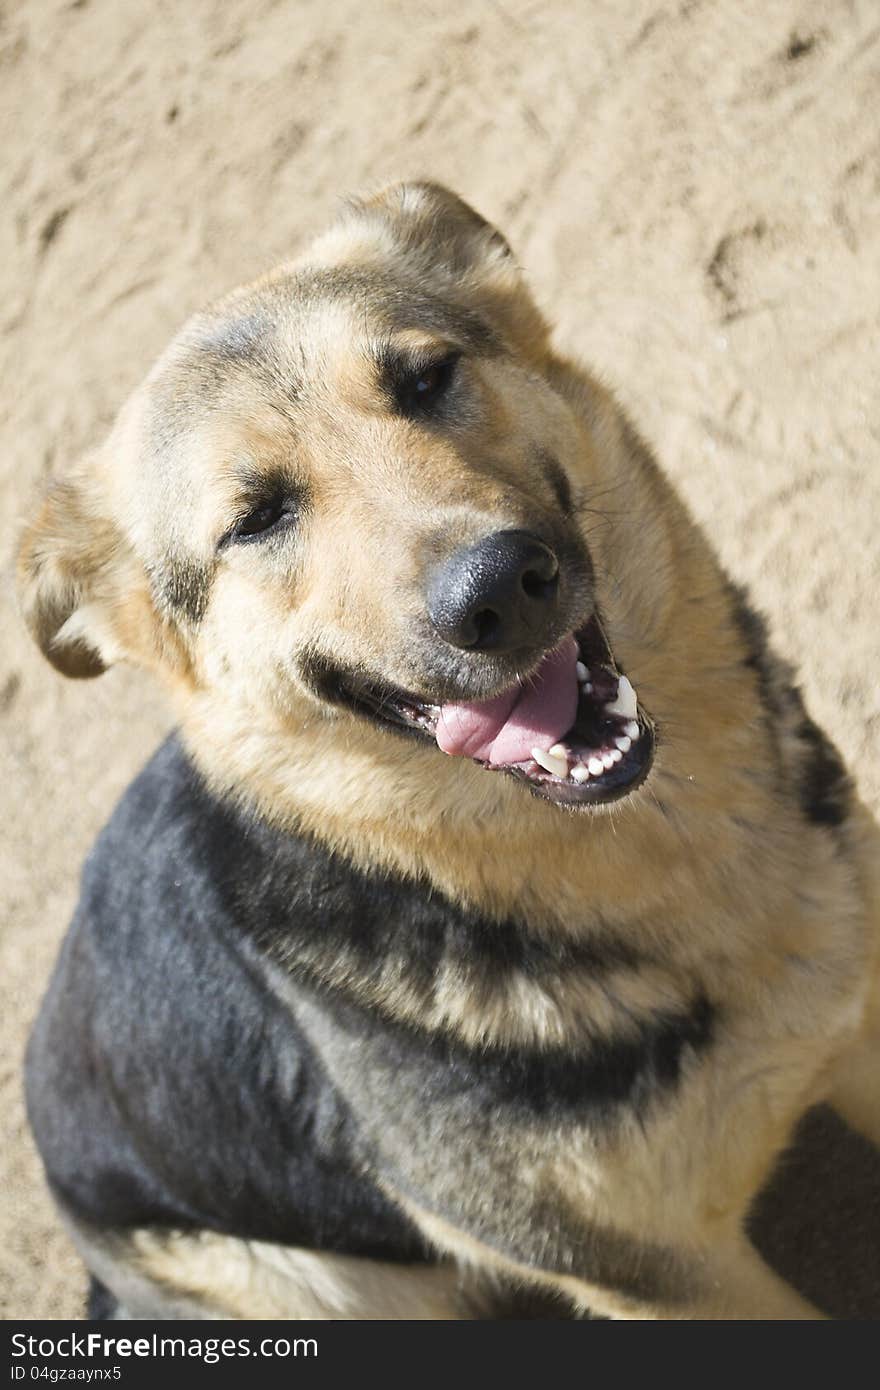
column 496, row 595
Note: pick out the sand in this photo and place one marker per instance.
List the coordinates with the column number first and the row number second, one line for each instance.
column 694, row 189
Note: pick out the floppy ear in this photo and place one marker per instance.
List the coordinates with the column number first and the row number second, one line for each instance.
column 72, row 571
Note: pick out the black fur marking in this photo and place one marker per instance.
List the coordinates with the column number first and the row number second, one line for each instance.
column 590, row 1082
column 320, row 676
column 753, row 630
column 557, row 478
column 101, row 1304
column 522, row 1303
column 165, row 1083
column 640, row 1271
column 184, row 586
column 168, row 1085
column 310, row 911
column 546, row 1231
column 825, row 786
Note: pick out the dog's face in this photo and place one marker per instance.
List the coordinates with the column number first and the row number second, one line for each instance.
column 350, row 492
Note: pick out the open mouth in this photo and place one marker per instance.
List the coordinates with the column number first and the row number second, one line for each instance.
column 573, row 731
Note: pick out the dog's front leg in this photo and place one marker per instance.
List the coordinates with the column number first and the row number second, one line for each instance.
column 855, row 1084
column 702, row 1280
column 731, row 1283
column 156, row 1272
column 854, row 1089
column 634, row 1207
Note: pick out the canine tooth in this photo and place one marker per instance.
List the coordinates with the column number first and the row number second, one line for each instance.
column 625, row 702
column 557, row 766
column 579, row 773
column 596, row 766
column 626, row 693
column 607, row 761
column 632, row 729
column 624, row 743
column 582, row 672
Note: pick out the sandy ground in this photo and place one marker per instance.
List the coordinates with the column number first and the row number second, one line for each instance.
column 694, row 189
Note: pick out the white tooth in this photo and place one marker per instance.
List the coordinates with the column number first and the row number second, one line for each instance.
column 582, row 672
column 607, row 761
column 588, row 687
column 596, row 766
column 626, row 692
column 559, row 750
column 558, row 767
column 615, row 755
column 624, row 743
column 579, row 773
column 625, row 703
column 632, row 729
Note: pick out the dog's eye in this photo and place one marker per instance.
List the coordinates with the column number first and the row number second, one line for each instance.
column 259, row 521
column 422, row 390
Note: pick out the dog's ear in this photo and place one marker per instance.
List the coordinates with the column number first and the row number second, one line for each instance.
column 81, row 590
column 64, row 561
column 445, row 243
column 430, row 221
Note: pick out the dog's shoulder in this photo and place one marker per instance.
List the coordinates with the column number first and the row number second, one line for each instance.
column 166, row 1083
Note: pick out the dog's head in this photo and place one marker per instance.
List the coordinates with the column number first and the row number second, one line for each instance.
column 351, row 497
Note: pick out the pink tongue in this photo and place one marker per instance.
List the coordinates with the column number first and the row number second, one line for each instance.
column 506, row 729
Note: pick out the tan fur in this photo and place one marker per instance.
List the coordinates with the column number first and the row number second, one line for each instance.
column 707, row 868
column 206, row 1275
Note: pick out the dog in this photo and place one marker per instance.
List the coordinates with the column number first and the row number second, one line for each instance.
column 497, row 911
